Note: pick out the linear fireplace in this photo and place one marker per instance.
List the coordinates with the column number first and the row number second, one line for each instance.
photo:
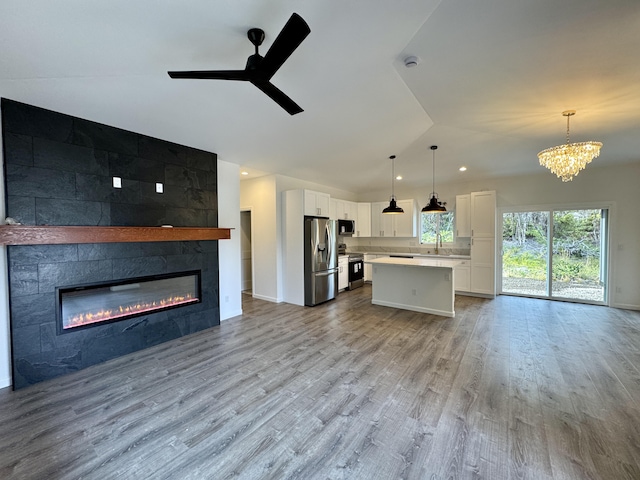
column 82, row 306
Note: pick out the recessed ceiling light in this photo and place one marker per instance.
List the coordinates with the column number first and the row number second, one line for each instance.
column 399, row 177
column 463, row 169
column 244, row 172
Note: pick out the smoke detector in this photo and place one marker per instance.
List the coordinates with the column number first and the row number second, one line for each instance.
column 411, row 61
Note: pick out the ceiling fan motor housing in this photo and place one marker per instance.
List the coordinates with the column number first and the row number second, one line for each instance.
column 256, row 36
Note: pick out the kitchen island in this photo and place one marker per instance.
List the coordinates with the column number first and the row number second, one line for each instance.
column 418, row 284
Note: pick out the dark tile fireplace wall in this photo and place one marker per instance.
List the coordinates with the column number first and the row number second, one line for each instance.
column 58, row 171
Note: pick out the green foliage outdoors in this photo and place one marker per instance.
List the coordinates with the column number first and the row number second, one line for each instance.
column 431, row 223
column 576, row 245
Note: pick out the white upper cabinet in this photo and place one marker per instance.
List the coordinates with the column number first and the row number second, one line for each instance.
column 463, row 215
column 483, row 214
column 381, row 225
column 400, row 225
column 363, row 220
column 343, row 210
column 316, row 204
column 350, row 211
column 405, row 223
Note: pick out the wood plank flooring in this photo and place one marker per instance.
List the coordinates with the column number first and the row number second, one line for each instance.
column 511, row 388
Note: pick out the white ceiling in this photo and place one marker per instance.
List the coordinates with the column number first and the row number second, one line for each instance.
column 492, row 82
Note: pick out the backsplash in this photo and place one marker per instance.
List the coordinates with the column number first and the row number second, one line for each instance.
column 422, row 250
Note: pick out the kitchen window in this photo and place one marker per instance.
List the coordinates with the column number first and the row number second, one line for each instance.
column 432, row 224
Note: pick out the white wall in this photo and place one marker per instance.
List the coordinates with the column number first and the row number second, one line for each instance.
column 229, row 250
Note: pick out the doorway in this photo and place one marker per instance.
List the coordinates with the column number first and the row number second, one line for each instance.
column 246, row 252
column 556, row 254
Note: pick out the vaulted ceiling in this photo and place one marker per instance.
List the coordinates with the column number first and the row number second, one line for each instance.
column 489, row 89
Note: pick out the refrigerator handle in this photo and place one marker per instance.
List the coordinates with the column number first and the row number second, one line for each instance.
column 326, row 273
column 329, row 240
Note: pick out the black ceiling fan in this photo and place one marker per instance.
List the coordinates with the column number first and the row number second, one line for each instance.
column 259, row 70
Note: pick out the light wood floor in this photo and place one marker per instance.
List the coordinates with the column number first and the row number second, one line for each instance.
column 510, row 388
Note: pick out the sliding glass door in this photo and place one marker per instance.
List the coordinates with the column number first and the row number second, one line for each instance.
column 525, row 253
column 558, row 254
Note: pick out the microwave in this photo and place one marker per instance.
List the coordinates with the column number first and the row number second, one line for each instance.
column 346, row 227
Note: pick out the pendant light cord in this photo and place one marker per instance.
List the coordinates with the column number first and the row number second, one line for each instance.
column 433, row 161
column 393, row 174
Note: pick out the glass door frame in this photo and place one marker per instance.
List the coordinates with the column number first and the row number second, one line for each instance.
column 605, row 252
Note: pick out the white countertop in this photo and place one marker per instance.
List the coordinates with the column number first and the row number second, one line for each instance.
column 446, row 262
column 420, row 255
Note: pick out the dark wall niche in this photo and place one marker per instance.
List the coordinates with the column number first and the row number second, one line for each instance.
column 58, row 171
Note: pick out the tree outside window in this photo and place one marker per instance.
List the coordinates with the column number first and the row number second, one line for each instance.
column 433, row 223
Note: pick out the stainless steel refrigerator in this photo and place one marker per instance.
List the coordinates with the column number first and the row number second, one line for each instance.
column 320, row 260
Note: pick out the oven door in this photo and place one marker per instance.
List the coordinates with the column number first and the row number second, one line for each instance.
column 356, row 273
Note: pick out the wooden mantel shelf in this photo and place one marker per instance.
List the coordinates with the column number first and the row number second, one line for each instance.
column 49, row 235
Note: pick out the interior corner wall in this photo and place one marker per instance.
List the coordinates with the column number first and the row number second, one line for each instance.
column 5, row 338
column 260, row 196
column 230, row 250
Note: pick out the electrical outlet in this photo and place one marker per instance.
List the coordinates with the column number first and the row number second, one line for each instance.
column 413, row 292
column 447, row 276
column 117, row 182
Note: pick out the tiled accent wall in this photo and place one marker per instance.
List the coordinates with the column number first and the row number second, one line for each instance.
column 59, row 171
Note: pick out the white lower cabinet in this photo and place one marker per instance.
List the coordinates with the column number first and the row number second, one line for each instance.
column 462, row 277
column 483, row 266
column 343, row 272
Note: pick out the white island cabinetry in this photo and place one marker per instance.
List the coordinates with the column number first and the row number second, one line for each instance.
column 418, row 284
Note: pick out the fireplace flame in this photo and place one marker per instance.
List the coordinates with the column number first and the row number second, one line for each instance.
column 127, row 310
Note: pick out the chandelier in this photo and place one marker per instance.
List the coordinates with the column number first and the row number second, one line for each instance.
column 567, row 160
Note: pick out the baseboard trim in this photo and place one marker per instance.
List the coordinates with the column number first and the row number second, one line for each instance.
column 264, row 297
column 232, row 314
column 625, row 306
column 5, row 382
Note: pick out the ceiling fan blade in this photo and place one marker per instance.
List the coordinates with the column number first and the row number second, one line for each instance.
column 291, row 36
column 213, row 74
column 278, row 96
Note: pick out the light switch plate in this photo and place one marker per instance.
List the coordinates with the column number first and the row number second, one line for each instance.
column 117, row 182
column 159, row 188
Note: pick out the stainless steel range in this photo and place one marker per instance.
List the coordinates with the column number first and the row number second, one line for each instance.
column 356, row 267
column 356, row 270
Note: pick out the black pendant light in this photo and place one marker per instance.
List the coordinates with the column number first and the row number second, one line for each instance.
column 434, row 206
column 393, row 209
